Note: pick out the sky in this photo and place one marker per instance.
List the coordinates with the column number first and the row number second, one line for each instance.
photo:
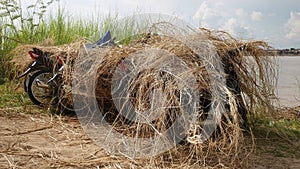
column 274, row 21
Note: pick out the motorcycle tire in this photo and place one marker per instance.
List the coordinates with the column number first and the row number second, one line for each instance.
column 33, row 89
column 62, row 103
column 25, row 83
column 26, row 80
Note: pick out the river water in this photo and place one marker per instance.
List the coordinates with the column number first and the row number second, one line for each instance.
column 288, row 87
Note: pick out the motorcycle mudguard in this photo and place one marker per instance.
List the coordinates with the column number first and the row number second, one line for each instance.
column 25, row 73
column 34, row 66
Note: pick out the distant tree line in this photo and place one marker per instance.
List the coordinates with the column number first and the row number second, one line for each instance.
column 287, row 52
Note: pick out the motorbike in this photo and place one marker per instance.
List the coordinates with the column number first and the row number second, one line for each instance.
column 38, row 70
column 43, row 81
column 56, row 81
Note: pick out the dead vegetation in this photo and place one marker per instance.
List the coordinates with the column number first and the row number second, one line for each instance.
column 213, row 58
column 39, row 140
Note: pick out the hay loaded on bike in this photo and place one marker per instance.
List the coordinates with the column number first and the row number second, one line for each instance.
column 150, row 86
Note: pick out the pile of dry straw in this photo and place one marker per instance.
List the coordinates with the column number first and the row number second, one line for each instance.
column 205, row 55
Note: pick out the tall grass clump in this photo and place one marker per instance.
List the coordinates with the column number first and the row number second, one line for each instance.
column 19, row 25
column 36, row 24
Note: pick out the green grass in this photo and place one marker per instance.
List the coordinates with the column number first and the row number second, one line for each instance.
column 14, row 99
column 279, row 138
column 285, row 125
column 9, row 97
column 289, row 124
column 33, row 25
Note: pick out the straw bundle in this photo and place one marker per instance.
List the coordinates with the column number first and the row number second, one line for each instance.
column 245, row 63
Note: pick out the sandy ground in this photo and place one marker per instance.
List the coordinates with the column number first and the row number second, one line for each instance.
column 52, row 141
column 43, row 141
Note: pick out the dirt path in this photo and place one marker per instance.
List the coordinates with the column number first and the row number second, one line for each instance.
column 43, row 141
column 51, row 141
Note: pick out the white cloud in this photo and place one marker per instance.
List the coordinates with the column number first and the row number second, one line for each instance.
column 293, row 26
column 256, row 16
column 209, row 14
column 240, row 12
column 203, row 12
column 236, row 28
column 214, row 15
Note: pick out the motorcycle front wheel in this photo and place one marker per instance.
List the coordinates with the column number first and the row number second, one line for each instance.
column 39, row 92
